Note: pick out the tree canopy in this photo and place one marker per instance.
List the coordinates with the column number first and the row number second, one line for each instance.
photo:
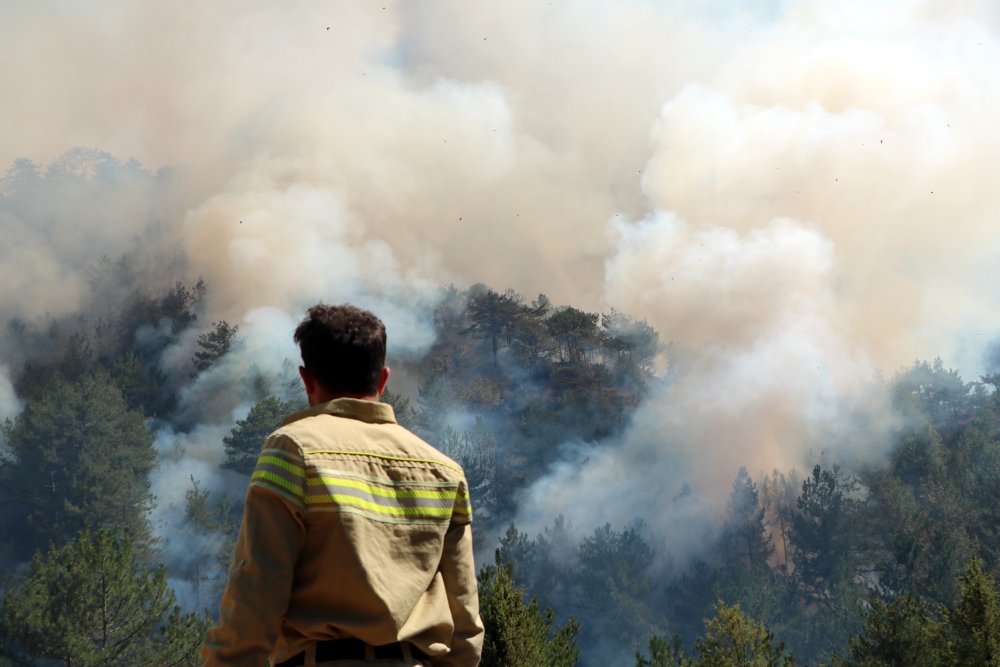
column 93, row 603
column 81, row 458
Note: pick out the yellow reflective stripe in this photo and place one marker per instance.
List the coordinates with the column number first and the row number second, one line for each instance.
column 317, row 472
column 463, row 507
column 381, row 518
column 382, row 491
column 443, row 512
column 277, row 480
column 384, row 456
column 281, row 463
column 277, row 471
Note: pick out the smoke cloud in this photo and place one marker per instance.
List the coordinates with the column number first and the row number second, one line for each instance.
column 795, row 194
column 10, row 406
column 189, row 462
column 761, row 375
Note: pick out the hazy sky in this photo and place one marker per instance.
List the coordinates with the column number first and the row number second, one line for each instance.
column 795, row 193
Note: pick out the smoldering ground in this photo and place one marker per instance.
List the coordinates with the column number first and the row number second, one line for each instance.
column 795, row 194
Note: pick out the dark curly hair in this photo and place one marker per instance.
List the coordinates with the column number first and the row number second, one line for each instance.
column 343, row 347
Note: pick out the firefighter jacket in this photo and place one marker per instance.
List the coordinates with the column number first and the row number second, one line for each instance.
column 353, row 527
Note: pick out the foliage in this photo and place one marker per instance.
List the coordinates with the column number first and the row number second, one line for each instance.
column 822, row 527
column 143, row 387
column 874, row 562
column 218, row 518
column 733, row 640
column 611, row 572
column 574, row 333
column 540, row 563
column 149, row 323
column 215, row 344
column 690, row 597
column 778, row 494
column 745, row 539
column 244, row 442
column 898, row 633
column 518, row 633
column 476, row 451
column 493, row 316
column 905, row 631
column 933, row 505
column 664, row 654
column 404, row 412
column 93, row 603
column 81, row 458
column 972, row 627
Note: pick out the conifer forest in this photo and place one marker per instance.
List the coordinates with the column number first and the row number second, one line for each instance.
column 887, row 559
column 702, row 296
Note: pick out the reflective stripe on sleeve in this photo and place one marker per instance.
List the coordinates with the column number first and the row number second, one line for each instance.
column 278, row 471
column 462, row 511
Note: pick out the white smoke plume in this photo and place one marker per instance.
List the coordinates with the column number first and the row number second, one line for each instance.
column 760, row 379
column 795, row 194
column 10, row 406
column 799, row 195
column 190, row 462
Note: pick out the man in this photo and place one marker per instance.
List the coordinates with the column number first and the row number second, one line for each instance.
column 356, row 545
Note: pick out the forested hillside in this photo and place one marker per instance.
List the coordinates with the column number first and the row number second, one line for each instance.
column 122, row 471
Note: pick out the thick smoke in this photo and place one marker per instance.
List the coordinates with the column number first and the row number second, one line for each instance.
column 795, row 194
column 10, row 406
column 448, row 135
column 820, row 212
column 760, row 375
column 189, row 462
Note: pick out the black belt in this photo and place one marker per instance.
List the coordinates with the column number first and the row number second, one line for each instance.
column 352, row 649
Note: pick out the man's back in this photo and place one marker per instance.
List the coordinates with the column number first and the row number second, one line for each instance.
column 354, row 528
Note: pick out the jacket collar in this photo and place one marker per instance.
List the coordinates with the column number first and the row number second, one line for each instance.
column 351, row 408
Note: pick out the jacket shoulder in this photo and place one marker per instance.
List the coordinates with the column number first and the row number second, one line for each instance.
column 332, row 434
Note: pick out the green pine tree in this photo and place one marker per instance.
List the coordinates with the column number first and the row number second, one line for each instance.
column 81, row 459
column 973, row 625
column 733, row 640
column 92, row 603
column 898, row 633
column 244, row 441
column 215, row 344
column 518, row 633
column 664, row 654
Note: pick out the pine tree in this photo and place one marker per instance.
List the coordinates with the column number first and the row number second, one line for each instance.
column 734, row 640
column 518, row 633
column 614, row 585
column 973, row 625
column 142, row 387
column 401, row 408
column 898, row 633
column 822, row 527
column 663, row 654
column 476, row 451
column 92, row 603
column 493, row 316
column 215, row 344
column 745, row 540
column 244, row 442
column 81, row 459
column 574, row 331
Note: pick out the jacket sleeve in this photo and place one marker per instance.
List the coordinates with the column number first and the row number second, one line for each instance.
column 260, row 577
column 458, row 570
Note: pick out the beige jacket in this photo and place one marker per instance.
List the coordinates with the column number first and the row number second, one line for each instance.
column 353, row 527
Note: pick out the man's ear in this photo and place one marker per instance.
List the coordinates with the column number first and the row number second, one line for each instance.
column 308, row 381
column 382, row 380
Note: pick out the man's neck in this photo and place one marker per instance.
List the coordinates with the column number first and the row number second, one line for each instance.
column 320, row 398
